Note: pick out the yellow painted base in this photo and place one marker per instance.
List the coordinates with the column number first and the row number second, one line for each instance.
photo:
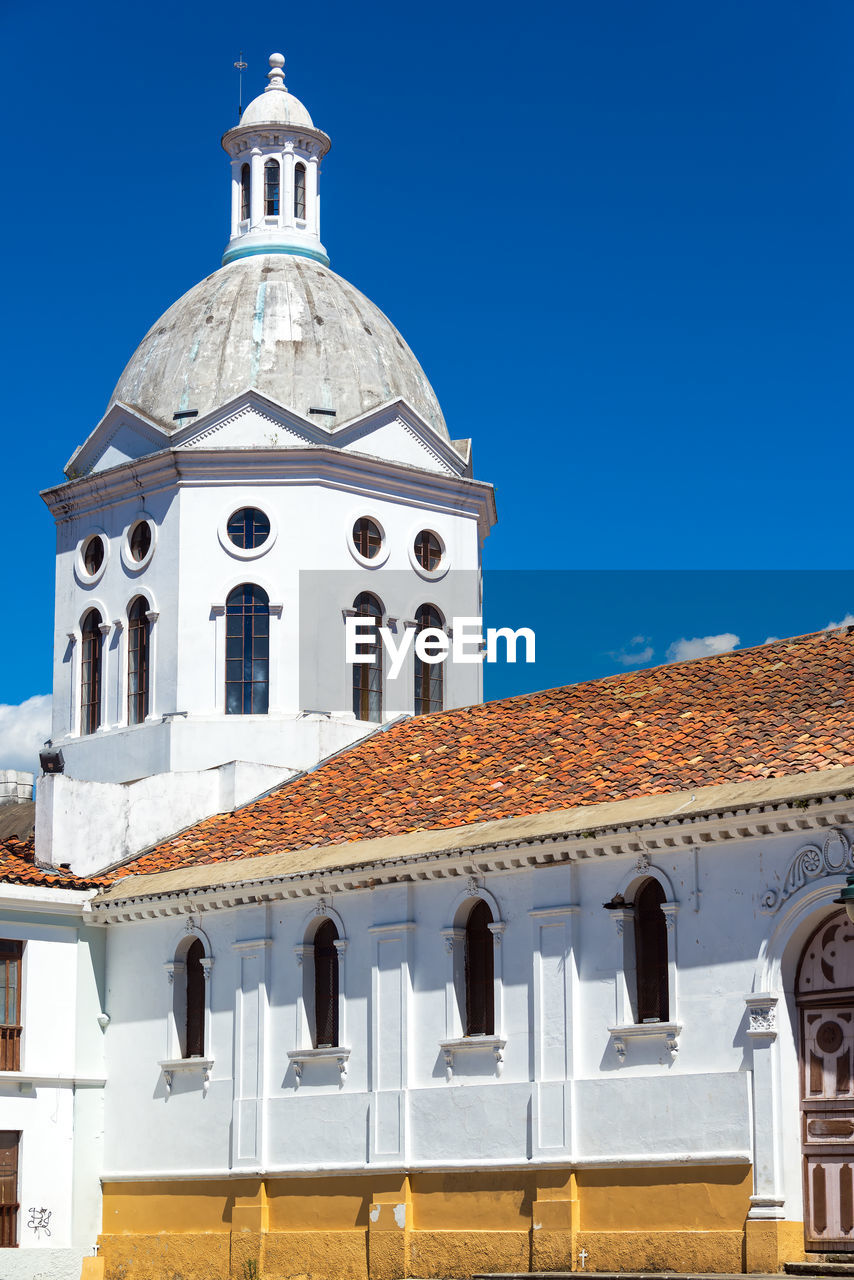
column 769, row 1245
column 384, row 1227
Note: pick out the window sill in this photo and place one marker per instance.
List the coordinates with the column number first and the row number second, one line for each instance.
column 172, row 1066
column 26, row 1081
column 667, row 1031
column 330, row 1053
column 472, row 1044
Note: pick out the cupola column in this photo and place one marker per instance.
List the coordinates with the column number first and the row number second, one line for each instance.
column 312, row 206
column 288, row 185
column 256, row 188
column 235, row 199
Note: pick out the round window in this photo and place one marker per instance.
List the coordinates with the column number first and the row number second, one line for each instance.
column 428, row 550
column 140, row 540
column 367, row 538
column 248, row 528
column 93, row 555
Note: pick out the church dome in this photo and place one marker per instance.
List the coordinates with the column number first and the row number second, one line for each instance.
column 276, row 108
column 286, row 326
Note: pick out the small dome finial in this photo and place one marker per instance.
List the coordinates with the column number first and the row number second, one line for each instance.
column 276, row 74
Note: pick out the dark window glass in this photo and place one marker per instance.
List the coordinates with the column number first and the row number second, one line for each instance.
column 368, row 676
column 248, row 528
column 195, row 1041
column 10, row 1005
column 140, row 540
column 651, row 953
column 93, row 555
column 299, row 191
column 429, row 677
column 480, row 971
column 139, row 648
column 428, row 550
column 9, row 1143
column 271, row 188
column 326, row 985
column 90, row 673
column 244, row 192
column 367, row 538
column 247, row 651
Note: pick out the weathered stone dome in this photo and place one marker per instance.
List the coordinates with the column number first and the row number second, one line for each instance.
column 287, row 327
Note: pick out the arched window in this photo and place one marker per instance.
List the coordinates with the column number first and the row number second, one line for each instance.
column 429, row 676
column 90, row 673
column 480, row 972
column 325, row 986
column 653, row 1002
column 244, row 193
column 139, row 647
column 299, row 191
column 368, row 676
column 271, row 188
column 194, row 1040
column 247, row 651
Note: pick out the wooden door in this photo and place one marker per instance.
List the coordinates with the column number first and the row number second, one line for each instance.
column 825, row 993
column 9, row 1141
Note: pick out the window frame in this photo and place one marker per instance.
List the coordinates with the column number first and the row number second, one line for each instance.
column 260, row 610
column 91, row 684
column 428, row 618
column 621, row 909
column 139, row 640
column 300, row 191
column 366, row 674
column 245, row 193
column 272, row 193
column 10, row 1044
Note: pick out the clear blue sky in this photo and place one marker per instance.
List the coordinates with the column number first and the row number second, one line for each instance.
column 617, row 235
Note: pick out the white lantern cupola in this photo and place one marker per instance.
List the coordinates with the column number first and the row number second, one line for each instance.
column 275, row 155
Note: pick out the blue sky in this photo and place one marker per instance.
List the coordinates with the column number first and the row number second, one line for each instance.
column 617, row 236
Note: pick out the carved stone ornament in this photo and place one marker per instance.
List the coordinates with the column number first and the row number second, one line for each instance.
column 763, row 1018
column 191, row 924
column 642, row 863
column 832, row 858
column 472, row 887
column 322, row 907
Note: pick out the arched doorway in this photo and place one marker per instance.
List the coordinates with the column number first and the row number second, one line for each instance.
column 825, row 997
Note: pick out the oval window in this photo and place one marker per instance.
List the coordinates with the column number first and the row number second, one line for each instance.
column 367, row 538
column 428, row 550
column 140, row 540
column 93, row 555
column 248, row 528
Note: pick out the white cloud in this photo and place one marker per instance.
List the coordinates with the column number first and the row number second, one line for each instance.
column 701, row 647
column 627, row 658
column 23, row 729
column 847, row 621
column 770, row 639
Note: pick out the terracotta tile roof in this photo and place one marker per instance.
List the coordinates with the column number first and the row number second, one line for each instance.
column 18, row 866
column 784, row 708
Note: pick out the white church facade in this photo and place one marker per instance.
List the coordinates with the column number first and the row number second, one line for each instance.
column 315, row 971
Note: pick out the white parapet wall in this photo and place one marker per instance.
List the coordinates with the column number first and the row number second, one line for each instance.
column 16, row 786
column 88, row 826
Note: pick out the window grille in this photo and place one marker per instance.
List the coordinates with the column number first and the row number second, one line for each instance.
column 326, row 986
column 368, row 676
column 247, row 651
column 271, row 189
column 195, row 1038
column 244, row 193
column 367, row 538
column 480, row 972
column 10, row 1005
column 9, row 1206
column 139, row 650
column 299, row 191
column 140, row 540
column 429, row 677
column 653, row 1001
column 90, row 672
column 428, row 550
column 248, row 528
